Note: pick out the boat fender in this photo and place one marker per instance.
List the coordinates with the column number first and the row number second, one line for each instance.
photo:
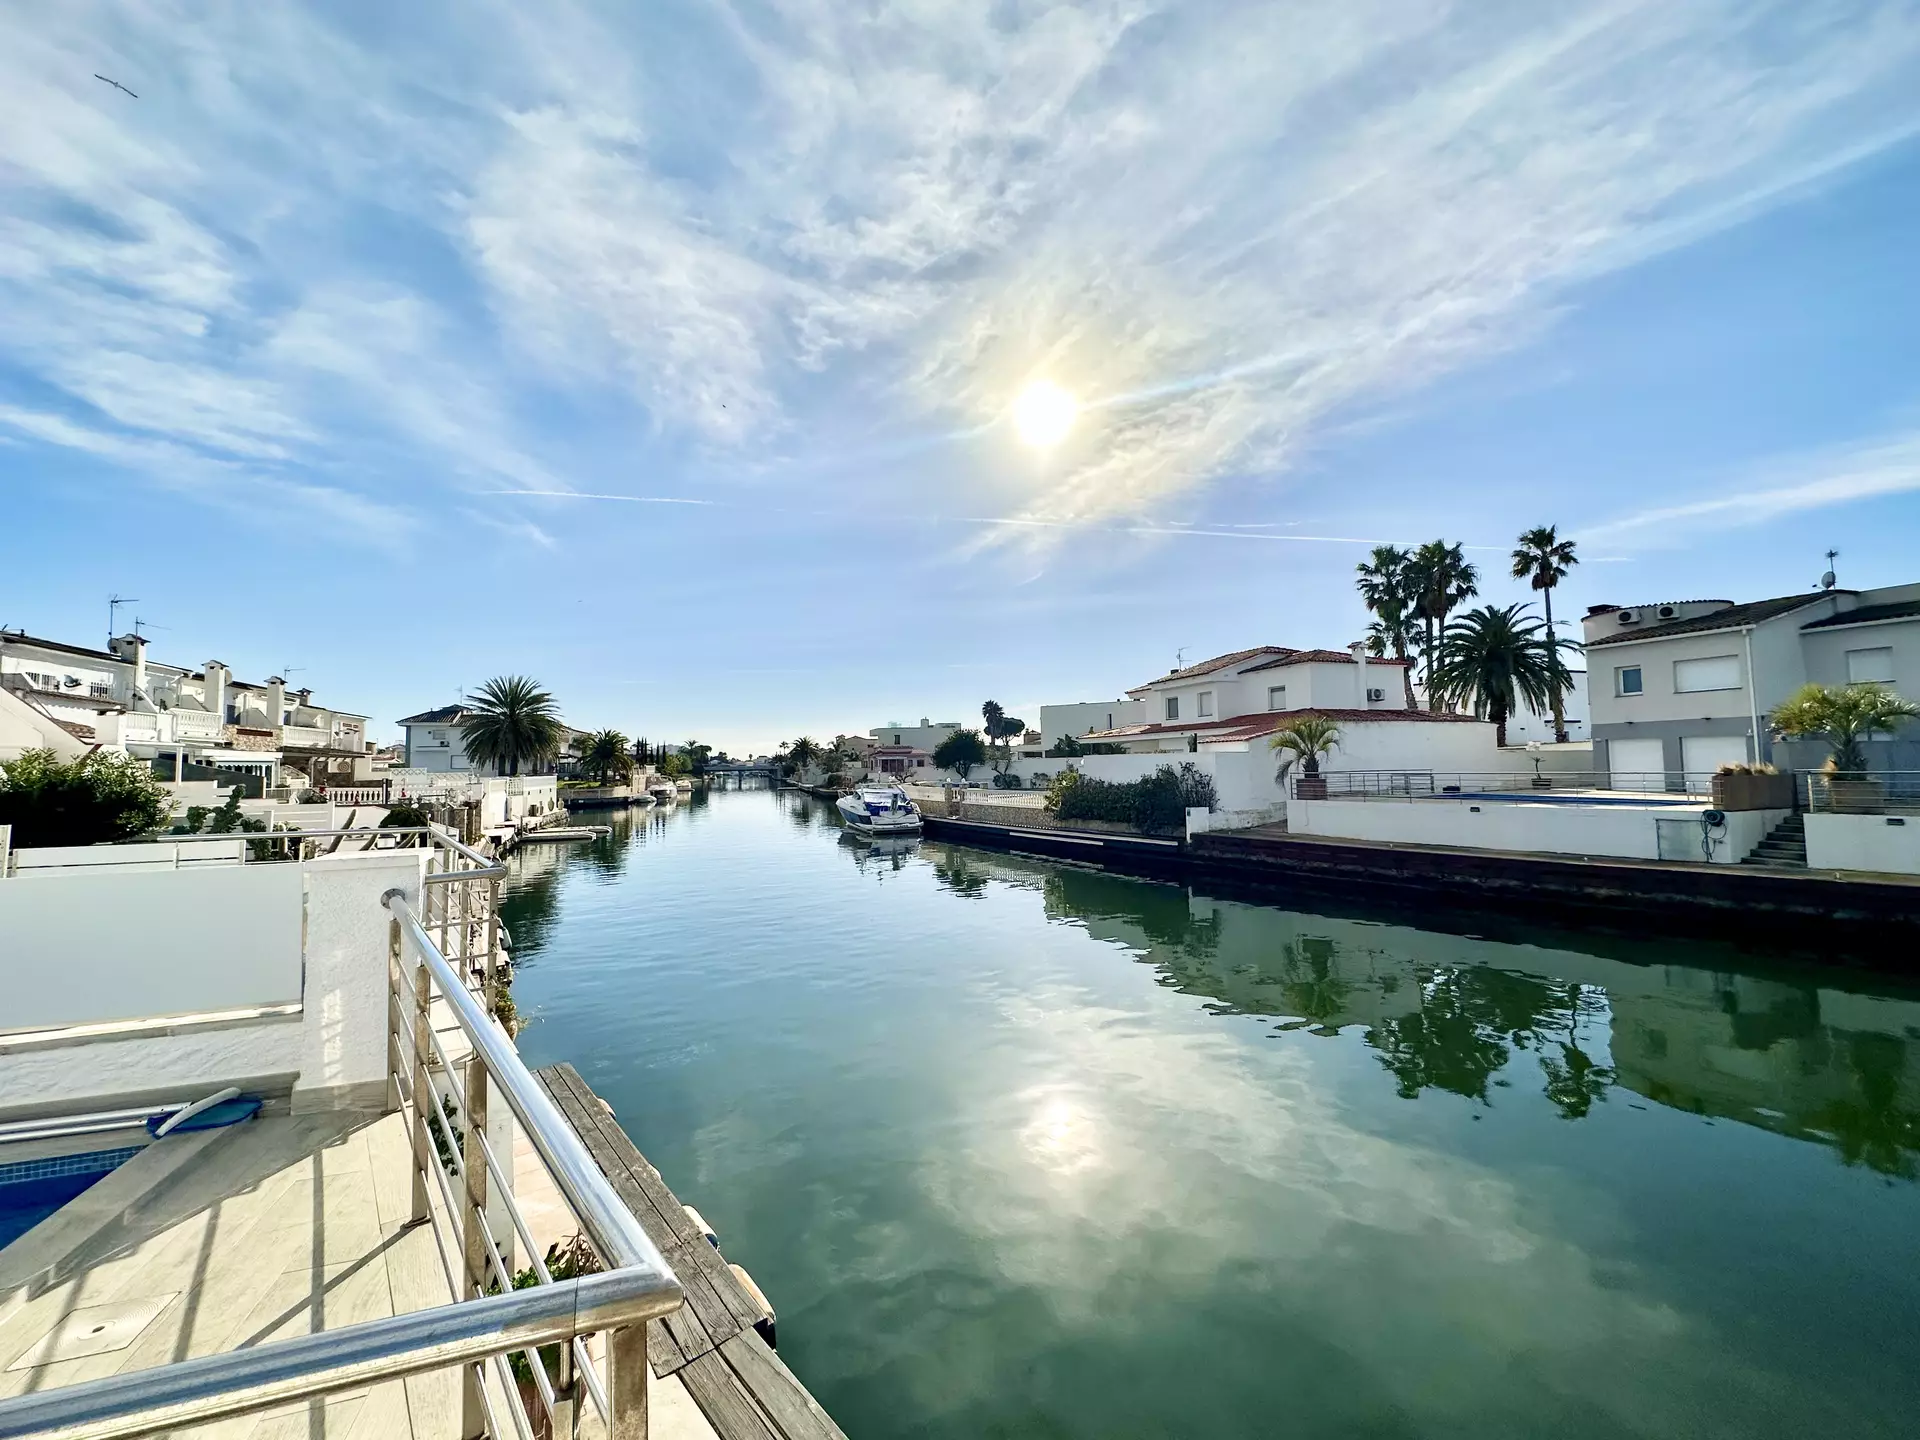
column 765, row 1324
column 700, row 1224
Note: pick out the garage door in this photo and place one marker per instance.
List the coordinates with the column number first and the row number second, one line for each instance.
column 1636, row 764
column 1701, row 755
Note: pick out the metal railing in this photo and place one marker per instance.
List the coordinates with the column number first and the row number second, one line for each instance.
column 1659, row 785
column 490, row 1319
column 1878, row 792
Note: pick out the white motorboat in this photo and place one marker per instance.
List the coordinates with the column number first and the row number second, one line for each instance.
column 663, row 792
column 879, row 810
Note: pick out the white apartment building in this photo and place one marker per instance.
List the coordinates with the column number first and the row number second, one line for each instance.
column 1082, row 718
column 925, row 736
column 120, row 699
column 1684, row 686
column 434, row 740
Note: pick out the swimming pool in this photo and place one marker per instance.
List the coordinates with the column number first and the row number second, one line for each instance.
column 31, row 1190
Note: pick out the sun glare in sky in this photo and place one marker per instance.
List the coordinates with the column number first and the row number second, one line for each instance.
column 1044, row 413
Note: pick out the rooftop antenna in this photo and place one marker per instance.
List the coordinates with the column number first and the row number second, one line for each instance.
column 1180, row 658
column 138, row 622
column 114, row 602
column 1827, row 580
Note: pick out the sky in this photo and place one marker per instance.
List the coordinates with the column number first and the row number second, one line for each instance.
column 676, row 354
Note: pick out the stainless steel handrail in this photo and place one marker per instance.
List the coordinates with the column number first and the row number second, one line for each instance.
column 610, row 1226
column 213, row 1387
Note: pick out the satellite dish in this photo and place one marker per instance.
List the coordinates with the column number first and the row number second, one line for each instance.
column 1827, row 581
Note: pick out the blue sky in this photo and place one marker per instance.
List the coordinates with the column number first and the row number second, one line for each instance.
column 666, row 352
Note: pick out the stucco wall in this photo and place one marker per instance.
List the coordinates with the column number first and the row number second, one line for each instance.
column 1622, row 831
column 1864, row 842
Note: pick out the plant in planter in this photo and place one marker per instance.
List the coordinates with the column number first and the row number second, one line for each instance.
column 1751, row 787
column 1305, row 741
column 1844, row 717
column 99, row 798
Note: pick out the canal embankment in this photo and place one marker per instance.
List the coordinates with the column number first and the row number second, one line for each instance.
column 1848, row 913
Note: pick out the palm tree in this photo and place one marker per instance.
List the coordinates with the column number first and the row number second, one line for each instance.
column 1384, row 590
column 1542, row 558
column 803, row 752
column 1305, row 739
column 1440, row 580
column 1495, row 660
column 1843, row 718
column 511, row 722
column 604, row 756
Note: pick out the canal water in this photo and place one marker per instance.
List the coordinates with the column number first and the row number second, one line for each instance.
column 1020, row 1149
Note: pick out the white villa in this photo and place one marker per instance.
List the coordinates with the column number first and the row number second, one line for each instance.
column 69, row 697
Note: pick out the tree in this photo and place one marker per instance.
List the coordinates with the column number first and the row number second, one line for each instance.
column 960, row 752
column 510, row 723
column 698, row 755
column 1304, row 740
column 803, row 752
column 1066, row 747
column 1843, row 717
column 1494, row 660
column 1001, row 727
column 1386, row 589
column 1440, row 580
column 642, row 752
column 101, row 797
column 604, row 756
column 1542, row 559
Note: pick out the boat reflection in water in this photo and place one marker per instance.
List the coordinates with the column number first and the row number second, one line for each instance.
column 892, row 851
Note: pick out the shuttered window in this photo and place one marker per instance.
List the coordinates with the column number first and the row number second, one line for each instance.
column 1714, row 672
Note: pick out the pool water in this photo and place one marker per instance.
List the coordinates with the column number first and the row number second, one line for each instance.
column 31, row 1190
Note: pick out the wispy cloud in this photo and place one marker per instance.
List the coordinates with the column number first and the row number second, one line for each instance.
column 422, row 263
column 1813, row 482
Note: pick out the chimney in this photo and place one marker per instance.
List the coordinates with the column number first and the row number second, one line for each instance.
column 276, row 701
column 1358, row 649
column 215, row 690
column 133, row 649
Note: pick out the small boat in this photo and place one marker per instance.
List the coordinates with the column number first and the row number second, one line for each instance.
column 568, row 832
column 879, row 810
column 663, row 792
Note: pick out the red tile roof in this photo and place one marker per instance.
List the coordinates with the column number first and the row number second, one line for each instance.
column 1322, row 657
column 1247, row 727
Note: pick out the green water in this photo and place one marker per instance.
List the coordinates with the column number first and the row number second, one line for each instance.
column 1021, row 1149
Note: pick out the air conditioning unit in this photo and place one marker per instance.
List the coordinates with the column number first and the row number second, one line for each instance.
column 1626, row 617
column 1374, row 696
column 1666, row 612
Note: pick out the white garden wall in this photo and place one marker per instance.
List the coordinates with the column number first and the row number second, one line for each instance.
column 1887, row 844
column 1615, row 831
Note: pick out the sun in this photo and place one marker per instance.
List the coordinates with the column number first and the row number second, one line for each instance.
column 1043, row 413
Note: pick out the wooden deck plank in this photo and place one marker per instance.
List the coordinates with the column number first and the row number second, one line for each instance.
column 795, row 1413
column 709, row 1344
column 717, row 1390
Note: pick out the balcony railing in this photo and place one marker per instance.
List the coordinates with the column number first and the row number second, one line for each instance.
column 191, row 725
column 1879, row 792
column 1658, row 786
column 490, row 1320
column 309, row 737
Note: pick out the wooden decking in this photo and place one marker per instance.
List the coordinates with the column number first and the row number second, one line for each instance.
column 739, row 1383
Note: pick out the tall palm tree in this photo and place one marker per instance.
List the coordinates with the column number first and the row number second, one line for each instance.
column 1843, row 717
column 510, row 723
column 1000, row 727
column 604, row 756
column 1304, row 740
column 1441, row 581
column 803, row 752
column 1542, row 559
column 1494, row 660
column 1384, row 589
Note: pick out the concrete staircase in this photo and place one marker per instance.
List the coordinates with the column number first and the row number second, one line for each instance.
column 1785, row 847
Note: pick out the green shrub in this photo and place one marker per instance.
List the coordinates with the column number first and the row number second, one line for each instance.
column 101, row 797
column 1156, row 804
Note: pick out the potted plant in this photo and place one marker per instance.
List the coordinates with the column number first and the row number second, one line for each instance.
column 1305, row 741
column 1751, row 787
column 1844, row 717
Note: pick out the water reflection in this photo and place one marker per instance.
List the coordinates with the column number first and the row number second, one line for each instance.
column 1474, row 1018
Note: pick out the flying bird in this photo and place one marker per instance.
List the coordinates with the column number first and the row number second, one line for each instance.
column 115, row 83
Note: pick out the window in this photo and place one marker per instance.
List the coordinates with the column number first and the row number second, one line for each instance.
column 1715, row 672
column 1276, row 697
column 1173, row 707
column 1206, row 704
column 1626, row 680
column 1867, row 666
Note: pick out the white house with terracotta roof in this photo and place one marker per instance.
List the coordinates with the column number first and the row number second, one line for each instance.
column 1250, row 693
